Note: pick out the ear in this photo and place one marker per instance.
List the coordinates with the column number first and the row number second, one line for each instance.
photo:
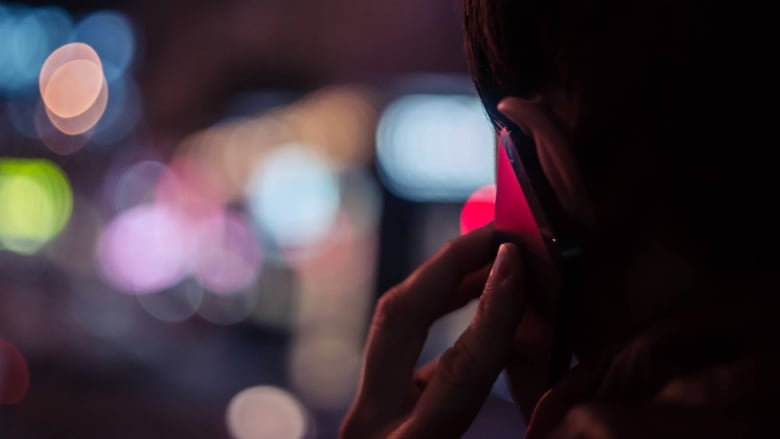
column 544, row 123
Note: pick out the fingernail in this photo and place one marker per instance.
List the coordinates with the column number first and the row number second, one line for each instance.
column 502, row 266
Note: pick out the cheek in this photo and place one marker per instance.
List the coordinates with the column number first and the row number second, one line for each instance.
column 555, row 168
column 563, row 173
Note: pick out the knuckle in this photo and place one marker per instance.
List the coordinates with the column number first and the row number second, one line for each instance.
column 389, row 309
column 457, row 364
column 449, row 250
column 448, row 247
column 451, row 254
column 486, row 306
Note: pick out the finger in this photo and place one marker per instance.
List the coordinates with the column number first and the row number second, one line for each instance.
column 405, row 313
column 467, row 370
column 528, row 366
column 420, row 381
column 424, row 375
column 580, row 385
column 469, row 289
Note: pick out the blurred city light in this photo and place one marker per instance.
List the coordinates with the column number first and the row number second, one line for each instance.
column 73, row 88
column 122, row 114
column 28, row 35
column 191, row 189
column 338, row 121
column 21, row 112
column 138, row 183
column 111, row 34
column 144, row 250
column 479, row 209
column 228, row 309
column 14, row 374
column 435, row 147
column 173, row 305
column 35, row 204
column 294, row 196
column 227, row 255
column 361, row 198
column 266, row 412
column 55, row 140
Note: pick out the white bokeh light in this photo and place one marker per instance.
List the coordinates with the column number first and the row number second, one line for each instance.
column 294, row 196
column 435, row 147
column 266, row 412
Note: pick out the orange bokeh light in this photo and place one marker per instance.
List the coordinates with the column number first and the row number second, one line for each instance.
column 73, row 88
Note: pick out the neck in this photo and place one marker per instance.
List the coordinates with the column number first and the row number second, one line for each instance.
column 628, row 289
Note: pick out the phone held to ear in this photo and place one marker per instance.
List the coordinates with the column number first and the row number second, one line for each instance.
column 528, row 214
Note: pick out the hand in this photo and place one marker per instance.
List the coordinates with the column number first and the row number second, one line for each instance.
column 442, row 399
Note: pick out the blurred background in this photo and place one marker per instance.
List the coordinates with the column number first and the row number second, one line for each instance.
column 200, row 203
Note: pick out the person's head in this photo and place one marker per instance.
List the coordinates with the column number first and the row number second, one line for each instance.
column 649, row 114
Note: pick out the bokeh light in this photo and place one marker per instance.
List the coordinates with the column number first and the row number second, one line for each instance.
column 85, row 121
column 21, row 111
column 227, row 256
column 435, row 147
column 111, row 34
column 122, row 115
column 294, row 196
column 190, row 188
column 479, row 209
column 73, row 88
column 173, row 305
column 266, row 412
column 233, row 149
column 144, row 249
column 361, row 198
column 137, row 184
column 55, row 140
column 334, row 122
column 325, row 370
column 28, row 35
column 338, row 121
column 14, row 374
column 35, row 203
column 58, row 26
column 228, row 309
column 54, row 62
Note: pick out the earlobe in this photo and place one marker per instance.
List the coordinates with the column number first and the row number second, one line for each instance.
column 539, row 122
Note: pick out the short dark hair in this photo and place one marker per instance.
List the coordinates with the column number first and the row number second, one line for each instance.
column 671, row 131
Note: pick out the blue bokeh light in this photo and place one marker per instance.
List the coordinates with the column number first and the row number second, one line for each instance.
column 111, row 35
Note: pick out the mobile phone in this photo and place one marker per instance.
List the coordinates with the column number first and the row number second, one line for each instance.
column 528, row 214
